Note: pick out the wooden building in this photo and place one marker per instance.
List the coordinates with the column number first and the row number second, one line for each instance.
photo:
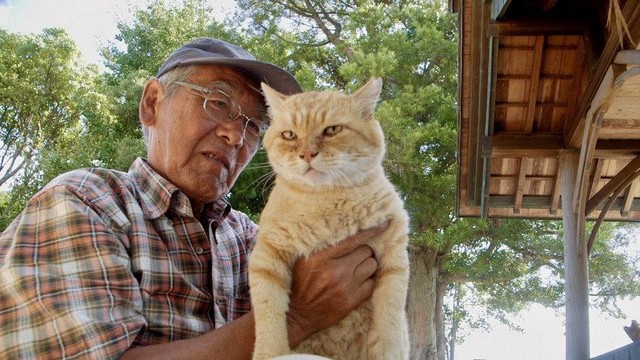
column 549, row 122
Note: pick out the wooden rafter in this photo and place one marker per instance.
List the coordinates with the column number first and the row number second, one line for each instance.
column 576, row 80
column 534, row 81
column 608, row 189
column 520, row 28
column 555, row 194
column 628, row 198
column 525, row 165
column 522, row 145
column 597, row 174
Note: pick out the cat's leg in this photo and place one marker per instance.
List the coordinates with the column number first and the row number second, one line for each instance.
column 270, row 281
column 388, row 336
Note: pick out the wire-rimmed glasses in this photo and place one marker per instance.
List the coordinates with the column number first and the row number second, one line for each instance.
column 222, row 108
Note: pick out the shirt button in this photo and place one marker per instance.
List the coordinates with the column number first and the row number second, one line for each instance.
column 169, row 222
column 199, row 250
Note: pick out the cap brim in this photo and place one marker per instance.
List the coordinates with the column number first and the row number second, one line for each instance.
column 268, row 73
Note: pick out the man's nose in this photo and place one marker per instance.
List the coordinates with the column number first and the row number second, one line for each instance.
column 232, row 132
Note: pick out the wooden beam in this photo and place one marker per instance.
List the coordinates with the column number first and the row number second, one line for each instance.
column 525, row 166
column 597, row 174
column 617, row 148
column 527, row 77
column 597, row 199
column 576, row 76
column 477, row 107
column 534, row 28
column 513, row 145
column 528, row 104
column 528, row 201
column 508, row 145
column 547, row 178
column 493, row 46
column 545, row 203
column 534, row 81
column 555, row 194
column 628, row 199
column 454, row 6
column 587, row 150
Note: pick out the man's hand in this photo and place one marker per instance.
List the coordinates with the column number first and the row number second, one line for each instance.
column 330, row 283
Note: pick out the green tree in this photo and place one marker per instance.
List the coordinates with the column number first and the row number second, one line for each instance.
column 36, row 85
column 45, row 104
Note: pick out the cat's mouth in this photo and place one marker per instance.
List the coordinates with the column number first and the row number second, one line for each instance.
column 313, row 174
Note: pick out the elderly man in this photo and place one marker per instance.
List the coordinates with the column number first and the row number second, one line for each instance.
column 152, row 263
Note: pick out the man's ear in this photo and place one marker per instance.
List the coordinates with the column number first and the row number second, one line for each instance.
column 151, row 96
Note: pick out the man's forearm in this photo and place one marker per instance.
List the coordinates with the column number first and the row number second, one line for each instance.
column 233, row 341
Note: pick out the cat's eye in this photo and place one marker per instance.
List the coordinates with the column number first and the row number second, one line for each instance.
column 288, row 135
column 332, row 130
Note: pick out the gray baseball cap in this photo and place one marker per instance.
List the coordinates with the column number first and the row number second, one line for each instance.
column 218, row 52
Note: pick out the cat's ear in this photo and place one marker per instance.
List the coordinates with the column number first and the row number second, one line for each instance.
column 367, row 96
column 272, row 98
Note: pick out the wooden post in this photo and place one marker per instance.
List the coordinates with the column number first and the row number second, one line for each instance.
column 576, row 265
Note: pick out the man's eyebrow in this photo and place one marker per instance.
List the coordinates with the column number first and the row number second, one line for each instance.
column 234, row 89
column 223, row 85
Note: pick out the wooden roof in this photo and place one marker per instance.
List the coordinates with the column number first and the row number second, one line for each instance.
column 543, row 77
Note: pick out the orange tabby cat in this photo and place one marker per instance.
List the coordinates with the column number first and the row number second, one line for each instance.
column 326, row 149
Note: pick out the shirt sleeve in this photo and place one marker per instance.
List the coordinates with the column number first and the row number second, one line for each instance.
column 66, row 288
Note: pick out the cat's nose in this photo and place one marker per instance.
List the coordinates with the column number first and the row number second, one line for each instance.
column 308, row 155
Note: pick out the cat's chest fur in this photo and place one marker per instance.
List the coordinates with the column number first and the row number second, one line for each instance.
column 330, row 213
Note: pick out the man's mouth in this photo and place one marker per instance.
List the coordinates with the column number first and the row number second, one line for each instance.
column 219, row 158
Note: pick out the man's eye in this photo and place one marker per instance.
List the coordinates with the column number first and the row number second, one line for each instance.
column 218, row 104
column 254, row 126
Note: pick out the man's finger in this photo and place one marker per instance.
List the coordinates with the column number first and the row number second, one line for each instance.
column 365, row 270
column 352, row 242
column 359, row 254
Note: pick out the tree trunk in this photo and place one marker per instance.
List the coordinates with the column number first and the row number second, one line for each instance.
column 441, row 290
column 455, row 323
column 421, row 304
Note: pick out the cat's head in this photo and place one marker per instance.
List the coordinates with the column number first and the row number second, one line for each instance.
column 324, row 138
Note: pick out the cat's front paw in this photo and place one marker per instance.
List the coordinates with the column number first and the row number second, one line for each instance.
column 385, row 349
column 271, row 353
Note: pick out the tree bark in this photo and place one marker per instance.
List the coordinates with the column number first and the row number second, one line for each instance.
column 441, row 335
column 421, row 304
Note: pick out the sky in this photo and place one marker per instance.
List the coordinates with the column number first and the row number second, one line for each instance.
column 92, row 23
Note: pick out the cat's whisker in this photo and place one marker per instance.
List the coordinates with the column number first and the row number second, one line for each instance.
column 257, row 166
column 264, row 181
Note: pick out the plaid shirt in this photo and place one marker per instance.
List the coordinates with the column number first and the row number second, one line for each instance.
column 102, row 260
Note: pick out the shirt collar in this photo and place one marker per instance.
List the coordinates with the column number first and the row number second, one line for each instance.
column 158, row 195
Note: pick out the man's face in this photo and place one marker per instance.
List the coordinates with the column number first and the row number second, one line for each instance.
column 200, row 156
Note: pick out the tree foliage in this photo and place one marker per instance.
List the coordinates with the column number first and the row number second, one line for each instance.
column 48, row 103
column 37, row 90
